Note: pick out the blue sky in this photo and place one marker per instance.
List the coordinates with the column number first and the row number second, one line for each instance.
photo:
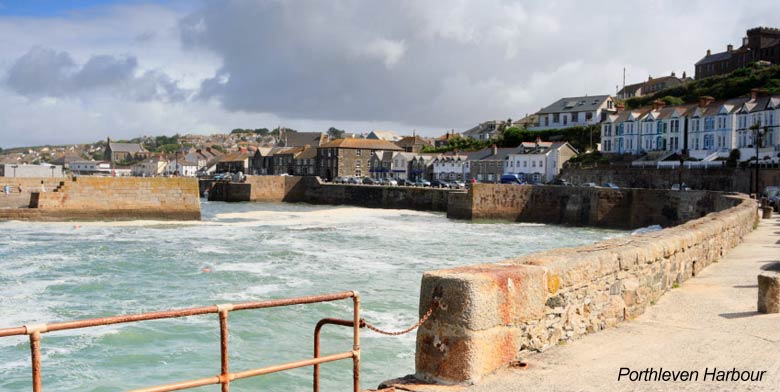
column 48, row 8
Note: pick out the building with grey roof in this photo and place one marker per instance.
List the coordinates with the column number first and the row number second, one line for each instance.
column 575, row 111
column 759, row 44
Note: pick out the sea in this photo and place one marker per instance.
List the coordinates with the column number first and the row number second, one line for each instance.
column 239, row 252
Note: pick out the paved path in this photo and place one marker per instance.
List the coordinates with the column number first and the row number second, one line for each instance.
column 708, row 322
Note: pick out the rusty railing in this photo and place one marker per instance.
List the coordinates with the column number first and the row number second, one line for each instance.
column 225, row 376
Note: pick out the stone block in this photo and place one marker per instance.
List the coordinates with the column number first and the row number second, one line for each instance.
column 769, row 292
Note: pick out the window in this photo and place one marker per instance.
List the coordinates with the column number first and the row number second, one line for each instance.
column 575, row 117
column 695, row 125
column 357, row 152
column 556, row 117
column 525, row 163
column 589, row 115
column 541, row 163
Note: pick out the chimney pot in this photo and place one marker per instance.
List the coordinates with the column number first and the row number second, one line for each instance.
column 729, row 47
column 709, row 52
column 673, row 75
column 658, row 104
column 705, row 100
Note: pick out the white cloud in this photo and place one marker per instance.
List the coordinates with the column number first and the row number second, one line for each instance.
column 431, row 65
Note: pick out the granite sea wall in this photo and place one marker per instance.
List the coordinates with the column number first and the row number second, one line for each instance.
column 492, row 314
column 108, row 198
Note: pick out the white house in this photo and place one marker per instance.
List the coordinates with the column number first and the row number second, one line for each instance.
column 90, row 167
column 150, row 167
column 181, row 167
column 485, row 131
column 765, row 113
column 539, row 161
column 574, row 111
column 451, row 167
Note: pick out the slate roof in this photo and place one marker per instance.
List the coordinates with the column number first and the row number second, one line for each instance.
column 715, row 58
column 371, row 144
column 300, row 139
column 126, row 147
column 575, row 104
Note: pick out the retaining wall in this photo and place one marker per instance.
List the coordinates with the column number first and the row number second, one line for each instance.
column 492, row 314
column 614, row 208
column 312, row 190
column 723, row 179
column 102, row 198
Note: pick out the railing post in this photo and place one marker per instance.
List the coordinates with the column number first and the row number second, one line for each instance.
column 356, row 343
column 224, row 378
column 35, row 349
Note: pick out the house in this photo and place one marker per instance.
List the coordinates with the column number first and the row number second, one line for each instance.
column 421, row 167
column 529, row 121
column 401, row 165
column 413, row 144
column 124, row 152
column 444, row 140
column 389, row 136
column 300, row 139
column 234, row 162
column 261, row 161
column 305, row 162
column 283, row 161
column 658, row 128
column 150, row 167
column 486, row 131
column 181, row 167
column 759, row 44
column 652, row 86
column 575, row 111
column 452, row 166
column 487, row 165
column 762, row 112
column 380, row 164
column 349, row 157
column 539, row 161
column 90, row 167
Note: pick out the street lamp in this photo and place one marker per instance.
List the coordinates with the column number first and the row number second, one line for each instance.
column 683, row 157
column 758, row 133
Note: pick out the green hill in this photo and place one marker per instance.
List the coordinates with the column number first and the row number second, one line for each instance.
column 733, row 85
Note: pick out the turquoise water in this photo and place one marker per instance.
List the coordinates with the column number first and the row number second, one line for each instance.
column 63, row 271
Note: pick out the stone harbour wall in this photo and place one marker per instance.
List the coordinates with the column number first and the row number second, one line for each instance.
column 492, row 314
column 107, row 198
column 724, row 179
column 614, row 208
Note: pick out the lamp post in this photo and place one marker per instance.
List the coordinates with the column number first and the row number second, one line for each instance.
column 683, row 157
column 758, row 133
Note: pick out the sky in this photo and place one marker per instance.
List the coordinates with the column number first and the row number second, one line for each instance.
column 81, row 71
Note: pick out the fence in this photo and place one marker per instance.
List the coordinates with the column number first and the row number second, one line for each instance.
column 225, row 376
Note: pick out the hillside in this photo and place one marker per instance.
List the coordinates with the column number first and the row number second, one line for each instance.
column 733, row 85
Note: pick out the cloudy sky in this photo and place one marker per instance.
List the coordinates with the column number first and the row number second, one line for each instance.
column 78, row 71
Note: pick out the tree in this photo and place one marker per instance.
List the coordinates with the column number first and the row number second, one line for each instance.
column 218, row 148
column 335, row 133
column 734, row 157
column 262, row 131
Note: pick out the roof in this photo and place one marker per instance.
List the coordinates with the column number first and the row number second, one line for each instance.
column 631, row 88
column 575, row 104
column 371, row 144
column 307, row 153
column 300, row 139
column 234, row 157
column 448, row 136
column 715, row 58
column 411, row 141
column 126, row 147
column 384, row 135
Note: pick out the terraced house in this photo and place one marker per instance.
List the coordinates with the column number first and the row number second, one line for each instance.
column 708, row 131
column 574, row 111
column 349, row 157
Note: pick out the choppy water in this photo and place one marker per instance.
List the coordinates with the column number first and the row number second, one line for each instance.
column 63, row 271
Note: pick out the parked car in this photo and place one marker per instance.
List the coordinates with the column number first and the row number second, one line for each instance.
column 590, row 185
column 440, row 184
column 561, row 182
column 512, row 179
column 458, row 184
column 390, row 181
column 772, row 193
column 405, row 182
column 354, row 180
column 421, row 182
column 677, row 187
column 371, row 181
column 610, row 185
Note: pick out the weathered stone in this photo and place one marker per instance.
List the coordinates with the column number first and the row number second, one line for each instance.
column 769, row 292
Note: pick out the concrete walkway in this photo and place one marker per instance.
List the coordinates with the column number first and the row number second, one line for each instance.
column 708, row 322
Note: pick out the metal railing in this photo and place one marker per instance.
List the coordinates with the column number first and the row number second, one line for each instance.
column 225, row 376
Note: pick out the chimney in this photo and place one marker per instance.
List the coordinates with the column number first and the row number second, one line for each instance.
column 495, row 149
column 757, row 92
column 649, row 78
column 683, row 75
column 620, row 107
column 658, row 104
column 538, row 140
column 729, row 48
column 709, row 52
column 673, row 75
column 705, row 100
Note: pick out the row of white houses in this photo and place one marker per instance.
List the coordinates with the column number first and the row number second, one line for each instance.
column 708, row 130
